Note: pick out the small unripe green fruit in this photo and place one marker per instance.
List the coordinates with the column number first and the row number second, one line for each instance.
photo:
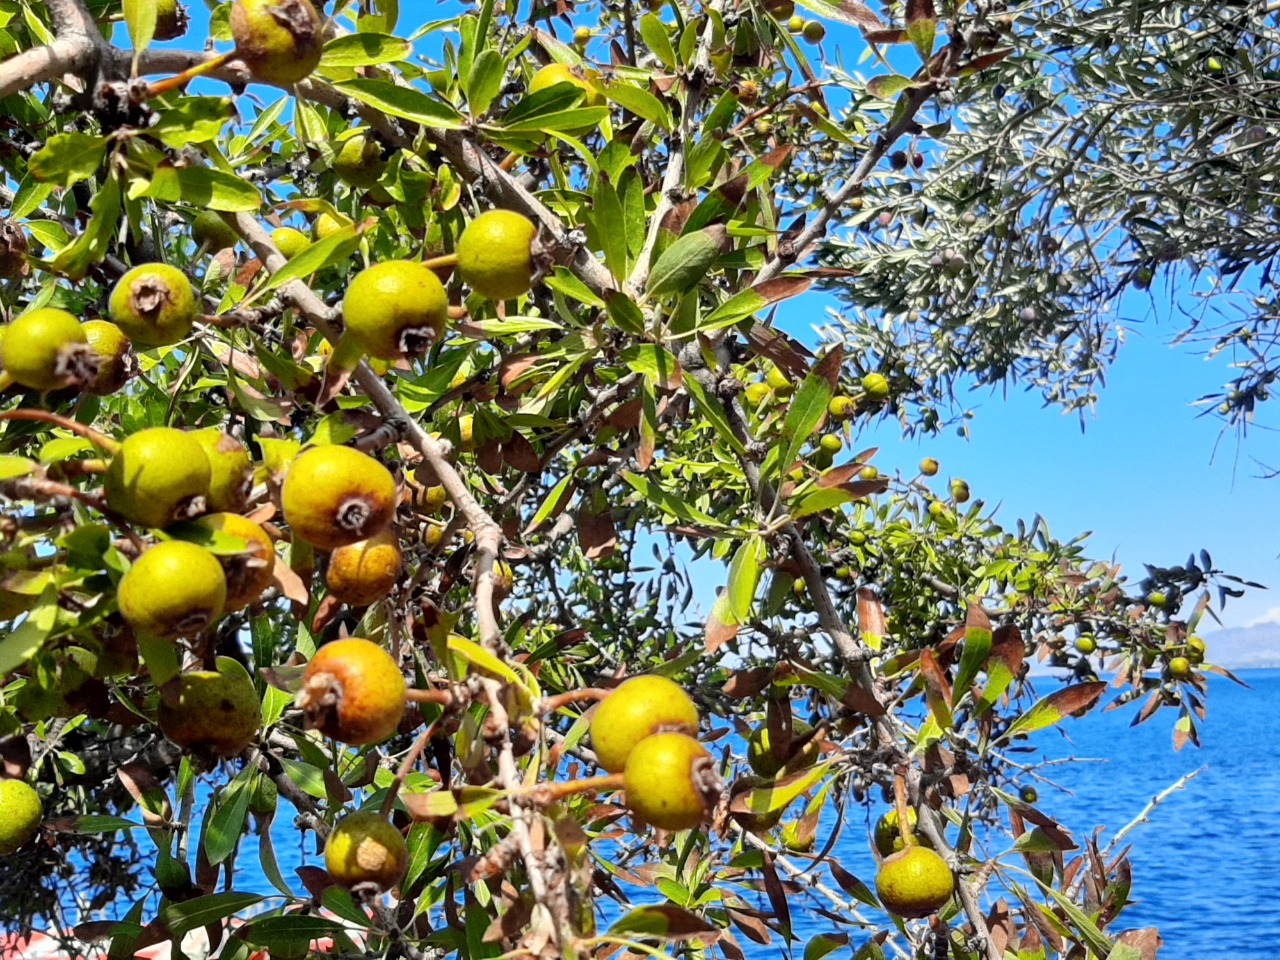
column 248, row 574
column 1028, row 795
column 1157, row 598
column 960, row 491
column 1179, row 668
column 47, row 349
column 929, row 467
column 778, row 382
column 842, row 407
column 670, row 780
column 937, row 508
column 1196, row 649
column 582, row 36
column 495, row 256
column 353, row 691
column 175, row 589
column 887, row 836
column 335, row 495
column 157, row 476
column 638, row 708
column 869, row 472
column 795, row 24
column 280, row 41
column 359, row 162
column 814, row 31
column 875, row 386
column 397, row 308
column 290, row 241
column 216, row 714
column 231, row 470
column 366, row 850
column 782, row 10
column 20, row 815
column 154, row 305
column 213, row 233
column 756, row 393
column 830, row 442
column 766, row 763
column 112, row 347
column 914, row 882
column 1086, row 644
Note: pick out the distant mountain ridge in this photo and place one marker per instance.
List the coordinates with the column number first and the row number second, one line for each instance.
column 1244, row 648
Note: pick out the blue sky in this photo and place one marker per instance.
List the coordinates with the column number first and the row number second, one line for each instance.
column 1143, row 476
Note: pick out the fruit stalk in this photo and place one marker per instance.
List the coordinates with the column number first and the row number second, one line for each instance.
column 900, row 802
column 161, row 87
column 545, row 793
column 554, row 703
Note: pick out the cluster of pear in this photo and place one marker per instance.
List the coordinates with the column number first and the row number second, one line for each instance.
column 913, row 880
column 645, row 730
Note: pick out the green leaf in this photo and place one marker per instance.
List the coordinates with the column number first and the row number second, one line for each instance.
column 683, row 264
column 664, row 922
column 227, row 823
column 307, row 776
column 922, row 26
column 610, row 228
column 485, row 81
column 140, row 18
column 744, row 304
column 193, row 120
column 364, row 50
column 888, row 86
column 672, row 505
column 710, row 407
column 101, row 824
column 1098, row 942
column 403, row 102
column 11, row 467
column 821, row 945
column 290, row 934
column 565, row 282
column 67, row 158
column 181, row 918
column 203, row 188
column 822, row 500
column 744, row 577
column 652, row 362
column 977, row 646
column 808, row 407
column 267, row 860
column 654, row 33
column 335, row 248
column 554, row 503
column 160, row 658
column 640, row 102
column 778, row 794
column 1051, row 709
column 24, row 641
column 579, row 118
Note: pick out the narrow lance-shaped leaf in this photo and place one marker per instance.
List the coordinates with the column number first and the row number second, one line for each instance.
column 809, row 406
column 1061, row 703
column 937, row 691
column 1004, row 663
column 922, row 26
column 683, row 264
column 977, row 645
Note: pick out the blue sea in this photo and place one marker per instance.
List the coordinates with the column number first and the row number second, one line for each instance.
column 1206, row 868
